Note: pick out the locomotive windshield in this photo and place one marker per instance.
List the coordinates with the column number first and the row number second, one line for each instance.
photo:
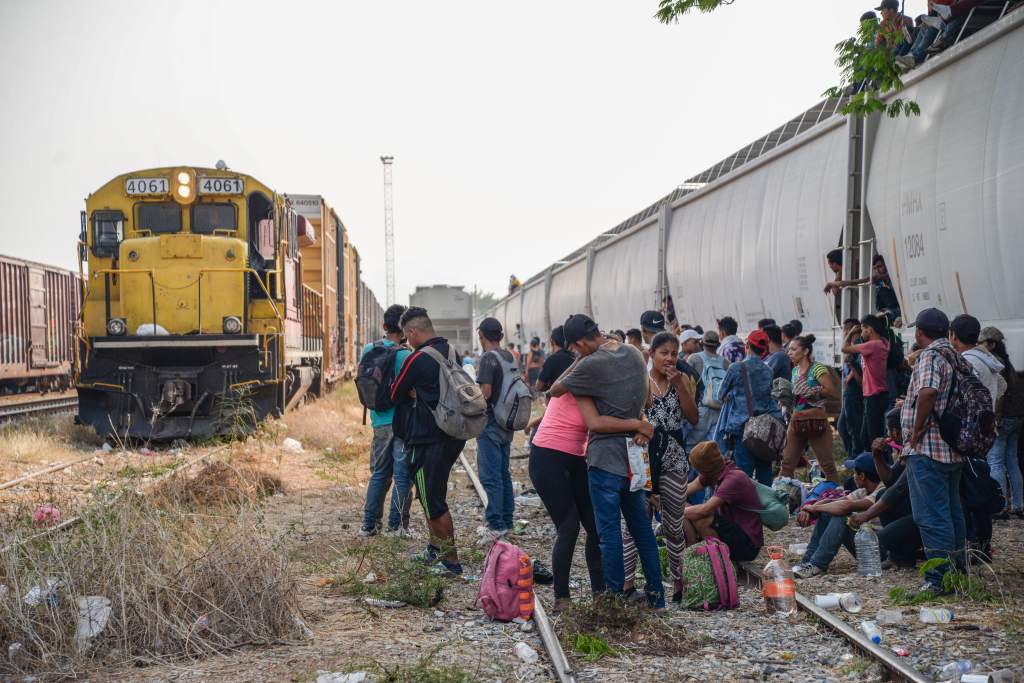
column 107, row 232
column 161, row 218
column 209, row 217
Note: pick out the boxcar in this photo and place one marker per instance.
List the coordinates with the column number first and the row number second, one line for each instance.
column 39, row 307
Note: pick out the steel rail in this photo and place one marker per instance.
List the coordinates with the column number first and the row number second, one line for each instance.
column 560, row 663
column 886, row 658
column 47, row 405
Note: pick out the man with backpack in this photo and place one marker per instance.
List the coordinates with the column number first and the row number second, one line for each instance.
column 508, row 399
column 434, row 422
column 711, row 367
column 379, row 364
column 934, row 468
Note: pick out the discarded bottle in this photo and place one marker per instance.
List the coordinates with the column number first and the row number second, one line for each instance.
column 851, row 602
column 869, row 560
column 814, row 471
column 871, row 631
column 954, row 670
column 936, row 615
column 777, row 584
column 889, row 616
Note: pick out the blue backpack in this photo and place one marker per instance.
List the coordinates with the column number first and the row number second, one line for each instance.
column 711, row 376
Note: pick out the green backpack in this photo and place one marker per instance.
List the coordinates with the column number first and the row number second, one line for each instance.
column 774, row 510
column 709, row 582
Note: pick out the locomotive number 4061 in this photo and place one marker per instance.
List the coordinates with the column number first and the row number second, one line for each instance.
column 221, row 185
column 137, row 186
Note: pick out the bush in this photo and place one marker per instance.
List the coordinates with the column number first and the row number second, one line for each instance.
column 180, row 584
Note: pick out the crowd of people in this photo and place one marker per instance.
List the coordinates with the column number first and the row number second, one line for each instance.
column 912, row 41
column 690, row 398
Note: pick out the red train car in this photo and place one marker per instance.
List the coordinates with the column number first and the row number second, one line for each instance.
column 39, row 307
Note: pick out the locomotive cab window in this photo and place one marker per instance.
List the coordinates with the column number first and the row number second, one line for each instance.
column 107, row 232
column 159, row 218
column 209, row 217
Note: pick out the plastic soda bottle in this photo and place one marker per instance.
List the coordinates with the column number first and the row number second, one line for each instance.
column 869, row 559
column 954, row 670
column 936, row 615
column 871, row 631
column 777, row 584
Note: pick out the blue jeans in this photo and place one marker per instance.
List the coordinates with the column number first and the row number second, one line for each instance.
column 935, row 501
column 705, row 428
column 744, row 459
column 613, row 501
column 925, row 37
column 1003, row 463
column 830, row 534
column 851, row 419
column 387, row 459
column 492, row 453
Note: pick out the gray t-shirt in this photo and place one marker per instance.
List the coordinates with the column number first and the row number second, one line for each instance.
column 616, row 379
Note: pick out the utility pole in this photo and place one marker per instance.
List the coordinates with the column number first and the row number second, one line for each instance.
column 389, row 229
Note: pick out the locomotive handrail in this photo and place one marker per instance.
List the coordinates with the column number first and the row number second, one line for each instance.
column 107, row 272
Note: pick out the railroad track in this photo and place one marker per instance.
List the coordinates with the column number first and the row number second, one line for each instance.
column 44, row 406
column 896, row 669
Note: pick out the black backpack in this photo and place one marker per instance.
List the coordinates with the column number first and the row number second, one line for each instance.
column 968, row 424
column 375, row 375
column 896, row 356
column 978, row 490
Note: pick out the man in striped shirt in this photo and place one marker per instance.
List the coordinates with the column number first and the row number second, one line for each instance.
column 933, row 467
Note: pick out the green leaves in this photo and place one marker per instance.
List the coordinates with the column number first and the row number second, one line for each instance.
column 867, row 72
column 593, row 647
column 669, row 11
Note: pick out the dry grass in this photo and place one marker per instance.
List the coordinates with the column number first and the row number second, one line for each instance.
column 45, row 439
column 216, row 485
column 334, row 422
column 181, row 584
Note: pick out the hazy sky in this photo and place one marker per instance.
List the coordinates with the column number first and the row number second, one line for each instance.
column 519, row 130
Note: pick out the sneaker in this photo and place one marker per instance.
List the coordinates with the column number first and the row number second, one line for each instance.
column 806, row 571
column 927, row 589
column 367, row 533
column 944, row 11
column 541, row 574
column 934, row 22
column 400, row 532
column 560, row 605
column 1002, row 516
column 938, row 46
column 1019, row 514
column 448, row 570
column 906, row 62
column 428, row 555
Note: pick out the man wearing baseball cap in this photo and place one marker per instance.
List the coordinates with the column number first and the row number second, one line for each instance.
column 493, row 446
column 831, row 531
column 612, row 375
column 894, row 29
column 933, row 467
column 711, row 368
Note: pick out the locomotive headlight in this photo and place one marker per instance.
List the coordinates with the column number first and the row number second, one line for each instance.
column 116, row 327
column 184, row 186
column 232, row 324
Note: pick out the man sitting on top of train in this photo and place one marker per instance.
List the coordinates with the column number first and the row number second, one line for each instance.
column 886, row 302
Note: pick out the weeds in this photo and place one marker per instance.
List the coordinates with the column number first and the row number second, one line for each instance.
column 423, row 670
column 593, row 647
column 397, row 577
column 179, row 585
column 236, row 417
column 608, row 623
column 957, row 584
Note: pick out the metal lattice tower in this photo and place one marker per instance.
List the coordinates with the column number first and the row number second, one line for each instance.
column 389, row 229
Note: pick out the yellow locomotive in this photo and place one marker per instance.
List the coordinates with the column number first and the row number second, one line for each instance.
column 208, row 296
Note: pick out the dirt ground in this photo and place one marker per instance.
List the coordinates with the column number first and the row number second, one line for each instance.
column 317, row 516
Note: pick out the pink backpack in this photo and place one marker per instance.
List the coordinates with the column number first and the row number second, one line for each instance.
column 709, row 581
column 506, row 589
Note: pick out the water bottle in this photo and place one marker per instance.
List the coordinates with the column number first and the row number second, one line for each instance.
column 871, row 631
column 954, row 670
column 814, row 472
column 777, row 584
column 869, row 559
column 889, row 616
column 936, row 615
